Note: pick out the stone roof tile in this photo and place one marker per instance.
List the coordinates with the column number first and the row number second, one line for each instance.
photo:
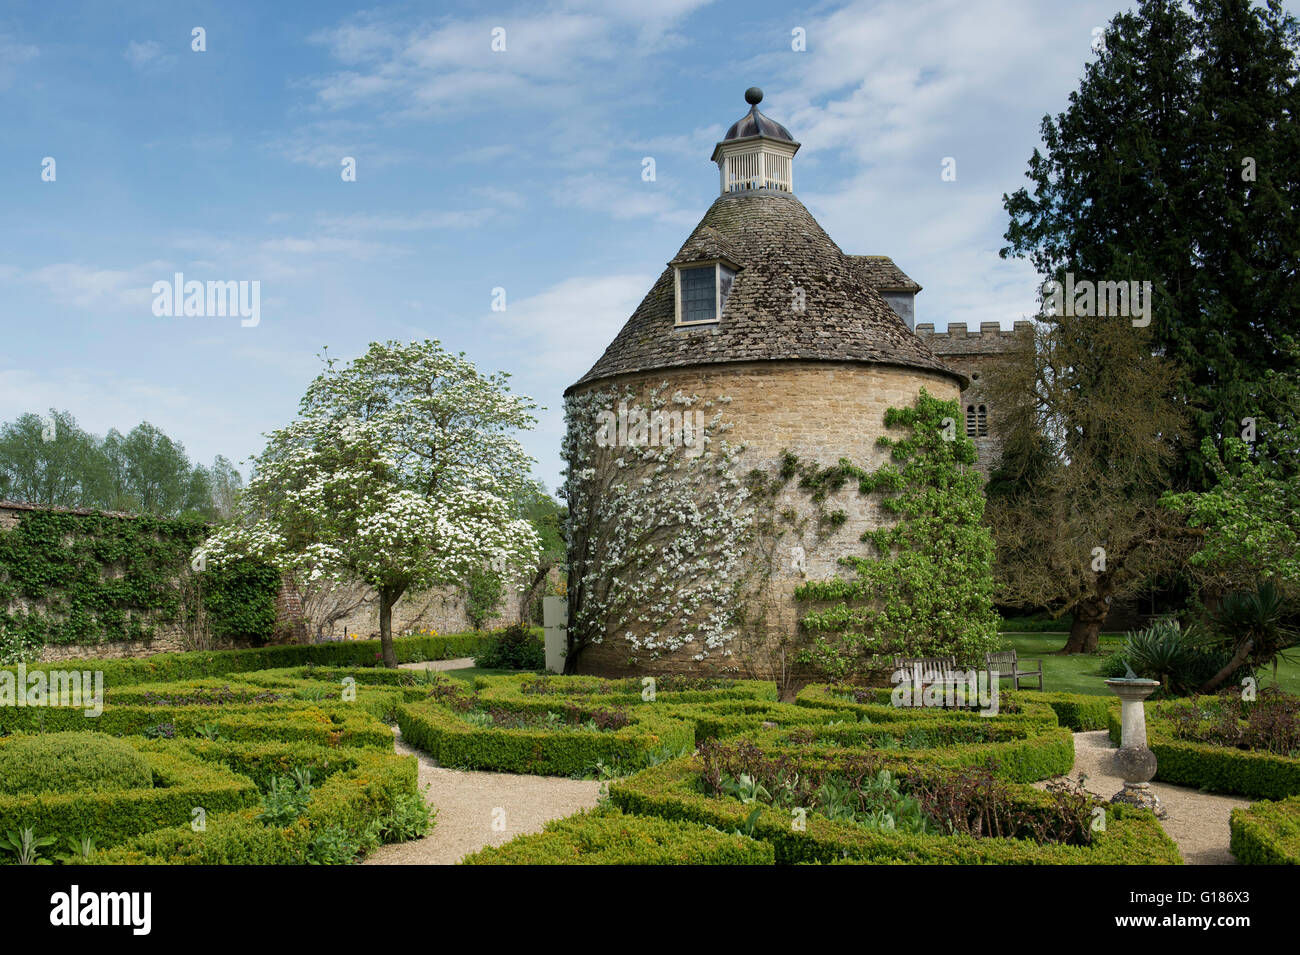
column 780, row 249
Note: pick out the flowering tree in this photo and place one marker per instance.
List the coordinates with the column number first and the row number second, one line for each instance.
column 401, row 470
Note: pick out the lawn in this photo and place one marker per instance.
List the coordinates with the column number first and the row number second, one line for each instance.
column 1080, row 673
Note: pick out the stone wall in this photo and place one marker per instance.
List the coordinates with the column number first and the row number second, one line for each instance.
column 821, row 412
column 976, row 355
column 442, row 610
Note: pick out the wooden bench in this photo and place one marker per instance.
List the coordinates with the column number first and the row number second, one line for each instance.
column 927, row 670
column 1007, row 665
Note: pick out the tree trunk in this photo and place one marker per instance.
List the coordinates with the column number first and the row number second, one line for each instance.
column 1238, row 658
column 1088, row 617
column 387, row 597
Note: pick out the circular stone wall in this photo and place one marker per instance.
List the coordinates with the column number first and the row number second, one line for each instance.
column 636, row 590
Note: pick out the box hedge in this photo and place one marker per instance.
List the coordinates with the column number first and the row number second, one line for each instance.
column 1267, row 833
column 1213, row 768
column 513, row 689
column 334, row 724
column 180, row 781
column 563, row 751
column 610, row 837
column 201, row 663
column 672, row 791
column 361, row 789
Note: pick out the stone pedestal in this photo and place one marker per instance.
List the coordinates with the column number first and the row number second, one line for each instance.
column 1134, row 761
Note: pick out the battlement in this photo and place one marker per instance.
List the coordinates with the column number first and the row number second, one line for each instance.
column 958, row 340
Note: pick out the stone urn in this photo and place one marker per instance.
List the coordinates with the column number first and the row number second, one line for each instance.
column 1134, row 761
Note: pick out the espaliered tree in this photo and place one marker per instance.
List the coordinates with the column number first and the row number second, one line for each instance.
column 1177, row 161
column 401, row 470
column 925, row 585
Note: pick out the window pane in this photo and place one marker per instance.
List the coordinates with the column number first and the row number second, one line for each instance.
column 726, row 278
column 698, row 294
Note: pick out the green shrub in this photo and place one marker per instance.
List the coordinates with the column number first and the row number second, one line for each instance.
column 334, row 724
column 1179, row 658
column 514, row 648
column 1213, row 768
column 70, row 762
column 1267, row 833
column 610, row 837
column 178, row 782
column 673, row 791
column 204, row 663
column 344, row 815
column 533, row 689
column 564, row 750
column 1080, row 712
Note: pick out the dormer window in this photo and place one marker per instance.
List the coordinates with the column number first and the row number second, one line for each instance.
column 702, row 291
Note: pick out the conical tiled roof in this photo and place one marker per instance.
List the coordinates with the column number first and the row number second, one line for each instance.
column 778, row 247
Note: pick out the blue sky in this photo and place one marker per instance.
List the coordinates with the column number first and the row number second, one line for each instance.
column 475, row 170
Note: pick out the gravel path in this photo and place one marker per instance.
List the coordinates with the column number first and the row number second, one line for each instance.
column 457, row 664
column 469, row 803
column 1197, row 821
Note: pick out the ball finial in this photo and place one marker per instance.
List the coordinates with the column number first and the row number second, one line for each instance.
column 753, row 96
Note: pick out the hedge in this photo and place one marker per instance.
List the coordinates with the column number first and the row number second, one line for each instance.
column 70, row 762
column 1267, row 833
column 1017, row 752
column 181, row 781
column 671, row 791
column 379, row 700
column 362, row 788
column 507, row 690
column 1217, row 769
column 1079, row 712
column 202, row 663
column 610, row 837
column 1016, row 708
column 333, row 724
column 564, row 751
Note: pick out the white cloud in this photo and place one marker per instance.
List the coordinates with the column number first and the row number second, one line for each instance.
column 148, row 57
column 13, row 54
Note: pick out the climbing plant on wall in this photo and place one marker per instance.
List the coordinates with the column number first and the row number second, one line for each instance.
column 658, row 517
column 90, row 578
column 925, row 587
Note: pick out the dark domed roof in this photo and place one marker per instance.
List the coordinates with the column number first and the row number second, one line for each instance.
column 755, row 123
column 778, row 247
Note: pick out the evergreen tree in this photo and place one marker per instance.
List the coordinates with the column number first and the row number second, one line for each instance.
column 1177, row 161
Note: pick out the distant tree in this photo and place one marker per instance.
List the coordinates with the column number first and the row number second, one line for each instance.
column 50, row 461
column 401, row 470
column 225, row 485
column 151, row 473
column 547, row 517
column 1091, row 421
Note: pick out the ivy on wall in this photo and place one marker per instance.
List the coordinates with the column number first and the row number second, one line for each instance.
column 926, row 588
column 75, row 578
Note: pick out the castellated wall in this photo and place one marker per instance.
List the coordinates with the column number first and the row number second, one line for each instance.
column 976, row 355
column 821, row 412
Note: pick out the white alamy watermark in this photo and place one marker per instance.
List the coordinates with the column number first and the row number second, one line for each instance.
column 951, row 689
column 1104, row 299
column 636, row 428
column 74, row 689
column 194, row 299
column 75, row 907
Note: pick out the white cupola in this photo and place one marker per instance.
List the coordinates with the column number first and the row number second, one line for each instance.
column 756, row 153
